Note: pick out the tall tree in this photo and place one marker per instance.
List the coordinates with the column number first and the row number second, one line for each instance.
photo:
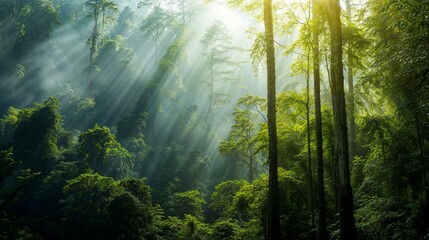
column 96, row 8
column 321, row 226
column 217, row 40
column 35, row 137
column 345, row 198
column 243, row 142
column 274, row 231
column 156, row 24
column 352, row 123
column 106, row 9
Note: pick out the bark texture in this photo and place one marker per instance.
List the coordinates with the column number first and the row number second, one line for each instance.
column 345, row 198
column 273, row 224
column 321, row 212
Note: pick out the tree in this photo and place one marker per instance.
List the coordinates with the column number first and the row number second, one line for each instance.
column 217, row 40
column 99, row 148
column 274, row 232
column 124, row 24
column 400, row 70
column 302, row 65
column 243, row 141
column 7, row 163
column 189, row 202
column 106, row 9
column 224, row 230
column 252, row 202
column 94, row 6
column 129, row 218
column 149, row 101
column 350, row 73
column 321, row 226
column 222, row 199
column 345, row 201
column 97, row 8
column 86, row 199
column 106, row 208
column 158, row 21
column 186, row 10
column 27, row 23
column 35, row 137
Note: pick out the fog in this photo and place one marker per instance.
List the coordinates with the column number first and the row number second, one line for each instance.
column 161, row 68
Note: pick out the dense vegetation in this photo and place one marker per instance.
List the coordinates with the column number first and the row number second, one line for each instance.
column 146, row 120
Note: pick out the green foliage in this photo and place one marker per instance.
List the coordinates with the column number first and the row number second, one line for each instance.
column 217, row 41
column 135, row 224
column 189, row 227
column 89, row 192
column 292, row 133
column 48, row 189
column 243, row 141
column 124, row 23
column 177, row 171
column 86, row 199
column 251, row 202
column 132, row 126
column 7, row 162
column 224, row 230
column 189, row 203
column 94, row 207
column 36, row 133
column 115, row 55
column 222, row 198
column 156, row 23
column 246, row 142
column 195, row 229
column 401, row 58
column 99, row 148
column 170, row 228
column 387, row 166
column 34, row 21
column 385, row 218
column 138, row 188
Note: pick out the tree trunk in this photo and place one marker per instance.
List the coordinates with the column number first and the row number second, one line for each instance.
column 352, row 123
column 102, row 26
column 310, row 164
column 321, row 226
column 345, row 201
column 422, row 160
column 251, row 173
column 211, row 84
column 93, row 48
column 94, row 36
column 274, row 232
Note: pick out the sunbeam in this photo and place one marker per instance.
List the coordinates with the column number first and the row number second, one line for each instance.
column 204, row 119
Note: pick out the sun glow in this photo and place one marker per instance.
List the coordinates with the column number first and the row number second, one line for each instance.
column 233, row 19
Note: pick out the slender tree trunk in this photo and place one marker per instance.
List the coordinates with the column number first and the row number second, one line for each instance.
column 93, row 48
column 102, row 26
column 94, row 37
column 422, row 160
column 345, row 201
column 211, row 84
column 274, row 231
column 321, row 226
column 252, row 173
column 352, row 123
column 156, row 45
column 310, row 164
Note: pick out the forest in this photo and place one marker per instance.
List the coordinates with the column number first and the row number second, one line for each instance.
column 214, row 119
